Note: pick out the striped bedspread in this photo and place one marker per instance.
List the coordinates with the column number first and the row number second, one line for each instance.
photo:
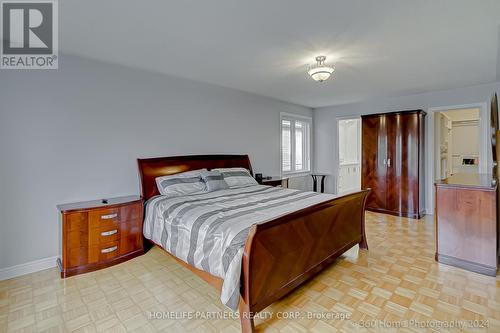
column 208, row 231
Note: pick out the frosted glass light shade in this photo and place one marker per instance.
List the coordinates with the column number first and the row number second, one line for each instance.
column 320, row 72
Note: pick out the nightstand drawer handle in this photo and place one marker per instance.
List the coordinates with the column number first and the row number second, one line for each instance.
column 109, row 233
column 109, row 249
column 109, row 216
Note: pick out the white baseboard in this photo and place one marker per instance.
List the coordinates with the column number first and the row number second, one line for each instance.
column 27, row 268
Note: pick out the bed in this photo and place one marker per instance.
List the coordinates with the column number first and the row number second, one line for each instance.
column 272, row 241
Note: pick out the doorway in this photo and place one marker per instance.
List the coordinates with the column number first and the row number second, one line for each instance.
column 457, row 143
column 349, row 155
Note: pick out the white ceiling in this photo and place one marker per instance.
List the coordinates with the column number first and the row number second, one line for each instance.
column 379, row 48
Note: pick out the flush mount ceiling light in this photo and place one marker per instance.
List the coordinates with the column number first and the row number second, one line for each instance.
column 320, row 71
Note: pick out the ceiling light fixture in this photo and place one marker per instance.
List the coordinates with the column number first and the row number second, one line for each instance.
column 320, row 72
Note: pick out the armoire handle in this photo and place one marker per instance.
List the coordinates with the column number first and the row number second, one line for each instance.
column 389, row 162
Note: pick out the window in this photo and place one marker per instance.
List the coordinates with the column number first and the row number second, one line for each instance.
column 295, row 144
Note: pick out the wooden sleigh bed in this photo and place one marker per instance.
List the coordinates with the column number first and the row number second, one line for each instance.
column 281, row 254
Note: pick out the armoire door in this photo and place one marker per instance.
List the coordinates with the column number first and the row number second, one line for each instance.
column 374, row 160
column 402, row 195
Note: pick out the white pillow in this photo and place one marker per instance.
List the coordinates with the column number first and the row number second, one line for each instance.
column 184, row 183
column 237, row 177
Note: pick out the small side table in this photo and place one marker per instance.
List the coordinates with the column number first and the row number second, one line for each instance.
column 319, row 177
column 276, row 181
column 100, row 233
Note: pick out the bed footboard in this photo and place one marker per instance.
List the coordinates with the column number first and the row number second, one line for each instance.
column 283, row 253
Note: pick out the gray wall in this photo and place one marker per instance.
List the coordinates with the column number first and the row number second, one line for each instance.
column 75, row 133
column 325, row 126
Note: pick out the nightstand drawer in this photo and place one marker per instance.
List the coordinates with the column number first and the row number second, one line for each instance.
column 106, row 218
column 104, row 234
column 110, row 216
column 104, row 251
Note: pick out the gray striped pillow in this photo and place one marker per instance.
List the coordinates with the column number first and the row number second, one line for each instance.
column 185, row 183
column 214, row 181
column 237, row 177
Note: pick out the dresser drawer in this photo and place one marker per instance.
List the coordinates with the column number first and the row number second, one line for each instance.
column 104, row 234
column 104, row 251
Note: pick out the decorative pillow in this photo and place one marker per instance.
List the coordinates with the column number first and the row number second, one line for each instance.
column 184, row 183
column 237, row 177
column 214, row 180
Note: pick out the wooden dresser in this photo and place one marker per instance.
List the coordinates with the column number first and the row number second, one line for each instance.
column 466, row 222
column 98, row 234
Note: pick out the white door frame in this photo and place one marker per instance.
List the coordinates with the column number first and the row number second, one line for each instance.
column 337, row 152
column 485, row 159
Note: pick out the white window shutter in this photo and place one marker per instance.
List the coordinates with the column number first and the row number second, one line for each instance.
column 295, row 144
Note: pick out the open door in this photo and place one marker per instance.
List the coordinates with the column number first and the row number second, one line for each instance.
column 349, row 157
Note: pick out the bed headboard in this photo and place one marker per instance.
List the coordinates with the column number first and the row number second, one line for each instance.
column 150, row 168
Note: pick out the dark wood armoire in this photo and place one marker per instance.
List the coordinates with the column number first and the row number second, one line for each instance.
column 393, row 162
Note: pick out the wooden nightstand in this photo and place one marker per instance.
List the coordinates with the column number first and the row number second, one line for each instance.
column 100, row 233
column 276, row 181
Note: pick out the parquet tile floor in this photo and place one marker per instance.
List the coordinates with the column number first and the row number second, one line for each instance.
column 395, row 286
